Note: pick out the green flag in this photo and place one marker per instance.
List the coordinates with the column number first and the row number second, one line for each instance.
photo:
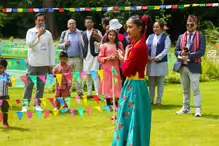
column 68, row 101
column 115, row 72
column 34, row 79
column 77, row 76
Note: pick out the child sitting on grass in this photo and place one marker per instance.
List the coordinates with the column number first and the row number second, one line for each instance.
column 5, row 82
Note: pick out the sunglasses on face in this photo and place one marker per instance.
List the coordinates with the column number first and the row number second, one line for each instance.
column 190, row 25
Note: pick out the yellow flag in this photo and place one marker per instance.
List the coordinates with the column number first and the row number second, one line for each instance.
column 186, row 6
column 20, row 10
column 43, row 100
column 10, row 64
column 10, row 103
column 72, row 9
column 85, row 100
column 59, row 79
column 156, row 7
column 55, row 112
column 127, row 8
column 116, row 81
column 98, row 108
column 195, row 5
column 101, row 74
column 99, row 9
column 13, row 80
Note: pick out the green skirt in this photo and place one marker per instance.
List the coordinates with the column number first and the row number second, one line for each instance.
column 134, row 115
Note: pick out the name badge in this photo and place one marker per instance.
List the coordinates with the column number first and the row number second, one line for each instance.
column 43, row 47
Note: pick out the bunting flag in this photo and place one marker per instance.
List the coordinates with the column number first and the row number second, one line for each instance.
column 43, row 79
column 51, row 78
column 4, row 79
column 85, row 100
column 83, row 74
column 39, row 115
column 104, row 9
column 96, row 98
column 55, row 112
column 68, row 77
column 59, row 79
column 10, row 103
column 98, row 108
column 52, row 101
column 77, row 76
column 102, row 97
column 24, row 79
column 116, row 81
column 20, row 115
column 64, row 111
column 61, row 101
column 72, row 114
column 34, row 79
column 68, row 102
column 78, row 99
column 18, row 101
column 25, row 101
column 36, row 102
column 43, row 100
column 89, row 111
column 101, row 74
column 1, row 101
column 46, row 114
column 1, row 117
column 29, row 115
column 94, row 75
column 107, row 108
column 13, row 80
column 81, row 112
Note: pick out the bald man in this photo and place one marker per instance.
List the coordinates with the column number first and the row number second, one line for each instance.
column 71, row 41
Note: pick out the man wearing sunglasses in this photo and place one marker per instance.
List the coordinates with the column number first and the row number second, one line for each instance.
column 190, row 48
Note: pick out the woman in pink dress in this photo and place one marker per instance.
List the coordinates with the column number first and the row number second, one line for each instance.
column 109, row 58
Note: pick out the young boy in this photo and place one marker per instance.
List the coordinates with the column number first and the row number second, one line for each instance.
column 66, row 71
column 5, row 82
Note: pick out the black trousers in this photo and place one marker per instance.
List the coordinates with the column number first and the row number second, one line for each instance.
column 5, row 108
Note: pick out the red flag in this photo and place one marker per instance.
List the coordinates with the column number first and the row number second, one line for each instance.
column 88, row 9
column 1, row 117
column 24, row 79
column 96, row 98
column 68, row 77
column 52, row 101
column 4, row 10
column 144, row 8
column 18, row 101
column 46, row 114
column 30, row 10
column 89, row 111
column 61, row 10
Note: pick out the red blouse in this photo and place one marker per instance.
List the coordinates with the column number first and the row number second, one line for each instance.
column 137, row 60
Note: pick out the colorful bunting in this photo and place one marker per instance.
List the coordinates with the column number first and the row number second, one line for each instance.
column 1, row 101
column 85, row 100
column 51, row 78
column 98, row 108
column 64, row 111
column 77, row 76
column 52, row 101
column 68, row 102
column 94, row 75
column 20, row 115
column 102, row 97
column 101, row 74
column 43, row 79
column 96, row 98
column 34, row 79
column 29, row 115
column 61, row 101
column 13, row 80
column 10, row 103
column 81, row 112
column 107, row 108
column 89, row 111
column 25, row 102
column 72, row 114
column 55, row 112
column 18, row 101
column 68, row 77
column 83, row 74
column 39, row 115
column 115, row 72
column 59, row 79
column 78, row 99
column 43, row 100
column 1, row 117
column 46, row 114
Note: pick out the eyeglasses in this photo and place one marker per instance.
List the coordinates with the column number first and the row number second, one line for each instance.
column 192, row 25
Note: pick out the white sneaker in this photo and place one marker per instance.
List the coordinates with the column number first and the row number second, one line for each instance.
column 198, row 112
column 38, row 108
column 24, row 109
column 183, row 111
column 56, row 109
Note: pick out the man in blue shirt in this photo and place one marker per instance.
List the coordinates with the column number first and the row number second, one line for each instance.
column 71, row 42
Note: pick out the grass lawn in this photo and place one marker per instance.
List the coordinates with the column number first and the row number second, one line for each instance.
column 168, row 129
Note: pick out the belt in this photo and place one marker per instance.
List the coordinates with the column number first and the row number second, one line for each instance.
column 73, row 56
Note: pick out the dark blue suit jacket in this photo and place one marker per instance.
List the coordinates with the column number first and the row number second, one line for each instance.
column 192, row 66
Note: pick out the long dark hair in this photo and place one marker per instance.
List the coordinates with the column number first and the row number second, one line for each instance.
column 146, row 22
column 116, row 40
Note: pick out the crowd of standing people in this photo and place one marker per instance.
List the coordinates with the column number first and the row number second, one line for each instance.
column 131, row 55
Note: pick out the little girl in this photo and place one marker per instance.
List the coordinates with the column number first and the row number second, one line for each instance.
column 108, row 58
column 63, row 90
column 5, row 82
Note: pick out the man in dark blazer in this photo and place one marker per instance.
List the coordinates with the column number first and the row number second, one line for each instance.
column 190, row 48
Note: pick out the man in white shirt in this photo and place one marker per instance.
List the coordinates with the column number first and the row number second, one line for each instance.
column 41, row 59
